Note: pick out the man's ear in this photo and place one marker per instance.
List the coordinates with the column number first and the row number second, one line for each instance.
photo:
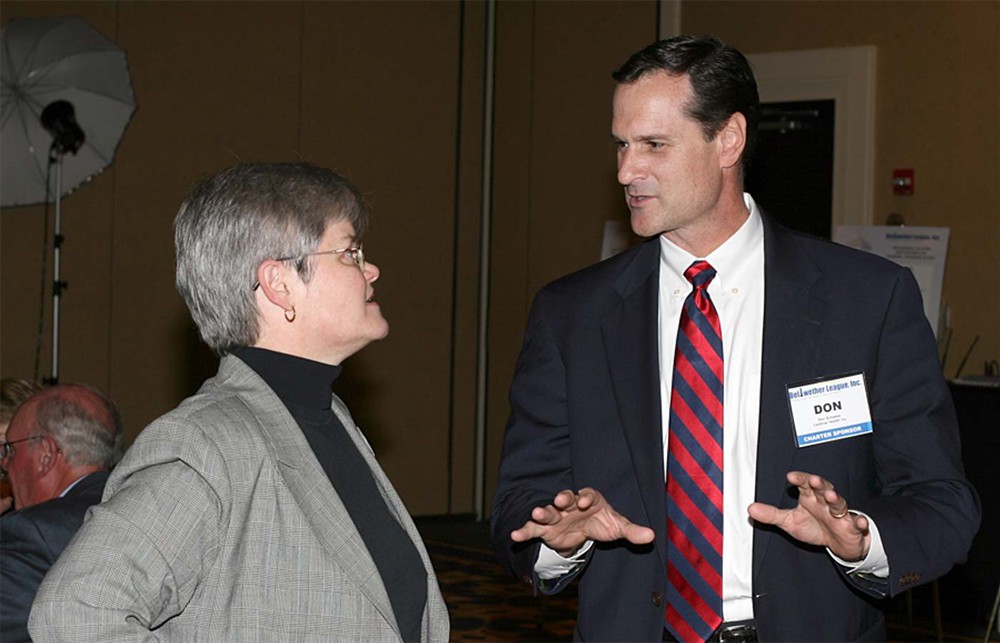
column 48, row 454
column 732, row 140
column 275, row 279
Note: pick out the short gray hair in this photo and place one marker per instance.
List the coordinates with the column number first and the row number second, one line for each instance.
column 86, row 426
column 243, row 216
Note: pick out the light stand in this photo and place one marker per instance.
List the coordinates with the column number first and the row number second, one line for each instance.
column 59, row 119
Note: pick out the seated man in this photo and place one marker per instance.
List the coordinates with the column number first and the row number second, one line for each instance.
column 13, row 392
column 59, row 447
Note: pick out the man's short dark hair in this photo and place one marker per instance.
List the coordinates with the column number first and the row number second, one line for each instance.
column 720, row 76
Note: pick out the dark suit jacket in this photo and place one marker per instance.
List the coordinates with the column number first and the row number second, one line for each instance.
column 585, row 411
column 31, row 540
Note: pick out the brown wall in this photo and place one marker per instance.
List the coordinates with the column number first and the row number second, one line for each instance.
column 391, row 93
column 554, row 180
column 370, row 89
column 937, row 111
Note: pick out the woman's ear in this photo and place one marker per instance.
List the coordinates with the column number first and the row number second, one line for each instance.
column 274, row 278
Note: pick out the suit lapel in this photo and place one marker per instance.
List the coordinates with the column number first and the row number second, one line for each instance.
column 308, row 484
column 629, row 330
column 793, row 312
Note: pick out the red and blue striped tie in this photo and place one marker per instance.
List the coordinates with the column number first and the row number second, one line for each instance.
column 694, row 468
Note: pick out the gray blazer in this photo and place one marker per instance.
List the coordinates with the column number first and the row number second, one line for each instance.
column 220, row 525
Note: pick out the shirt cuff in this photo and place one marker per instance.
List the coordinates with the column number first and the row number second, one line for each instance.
column 876, row 563
column 551, row 565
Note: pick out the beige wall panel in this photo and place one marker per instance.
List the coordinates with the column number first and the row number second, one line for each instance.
column 367, row 88
column 554, row 180
column 511, row 210
column 937, row 111
column 467, row 259
column 380, row 96
column 22, row 242
column 574, row 189
column 215, row 83
column 85, row 303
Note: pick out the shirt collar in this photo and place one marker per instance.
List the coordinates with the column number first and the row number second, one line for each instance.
column 63, row 493
column 731, row 260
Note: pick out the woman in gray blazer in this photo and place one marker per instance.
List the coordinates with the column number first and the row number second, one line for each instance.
column 255, row 510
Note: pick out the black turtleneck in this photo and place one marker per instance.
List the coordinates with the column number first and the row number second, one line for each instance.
column 305, row 387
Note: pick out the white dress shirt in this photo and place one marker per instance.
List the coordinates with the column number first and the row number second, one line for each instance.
column 63, row 493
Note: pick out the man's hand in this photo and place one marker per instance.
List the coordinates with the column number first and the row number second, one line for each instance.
column 6, row 503
column 573, row 519
column 821, row 518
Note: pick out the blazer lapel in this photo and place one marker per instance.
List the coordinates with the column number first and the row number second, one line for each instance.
column 435, row 611
column 629, row 330
column 392, row 499
column 308, row 484
column 793, row 312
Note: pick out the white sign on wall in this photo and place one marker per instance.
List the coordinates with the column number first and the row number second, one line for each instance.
column 921, row 249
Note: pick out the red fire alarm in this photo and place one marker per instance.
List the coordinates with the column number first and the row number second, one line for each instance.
column 902, row 182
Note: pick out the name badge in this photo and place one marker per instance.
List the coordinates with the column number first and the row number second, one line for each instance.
column 830, row 409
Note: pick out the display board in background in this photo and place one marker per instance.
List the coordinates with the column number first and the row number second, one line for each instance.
column 922, row 249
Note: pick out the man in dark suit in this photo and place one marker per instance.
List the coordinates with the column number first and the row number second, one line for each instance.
column 732, row 431
column 59, row 447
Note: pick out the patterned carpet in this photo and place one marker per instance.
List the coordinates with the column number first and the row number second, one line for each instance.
column 487, row 604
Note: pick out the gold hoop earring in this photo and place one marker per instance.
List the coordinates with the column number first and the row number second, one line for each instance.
column 290, row 315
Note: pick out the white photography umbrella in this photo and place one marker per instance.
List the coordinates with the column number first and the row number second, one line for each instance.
column 46, row 60
column 65, row 100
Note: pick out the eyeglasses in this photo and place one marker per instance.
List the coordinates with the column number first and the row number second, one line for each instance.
column 6, row 448
column 354, row 253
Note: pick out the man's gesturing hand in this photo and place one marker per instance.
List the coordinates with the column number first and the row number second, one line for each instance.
column 821, row 518
column 574, row 518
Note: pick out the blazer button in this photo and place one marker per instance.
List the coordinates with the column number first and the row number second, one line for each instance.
column 656, row 598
